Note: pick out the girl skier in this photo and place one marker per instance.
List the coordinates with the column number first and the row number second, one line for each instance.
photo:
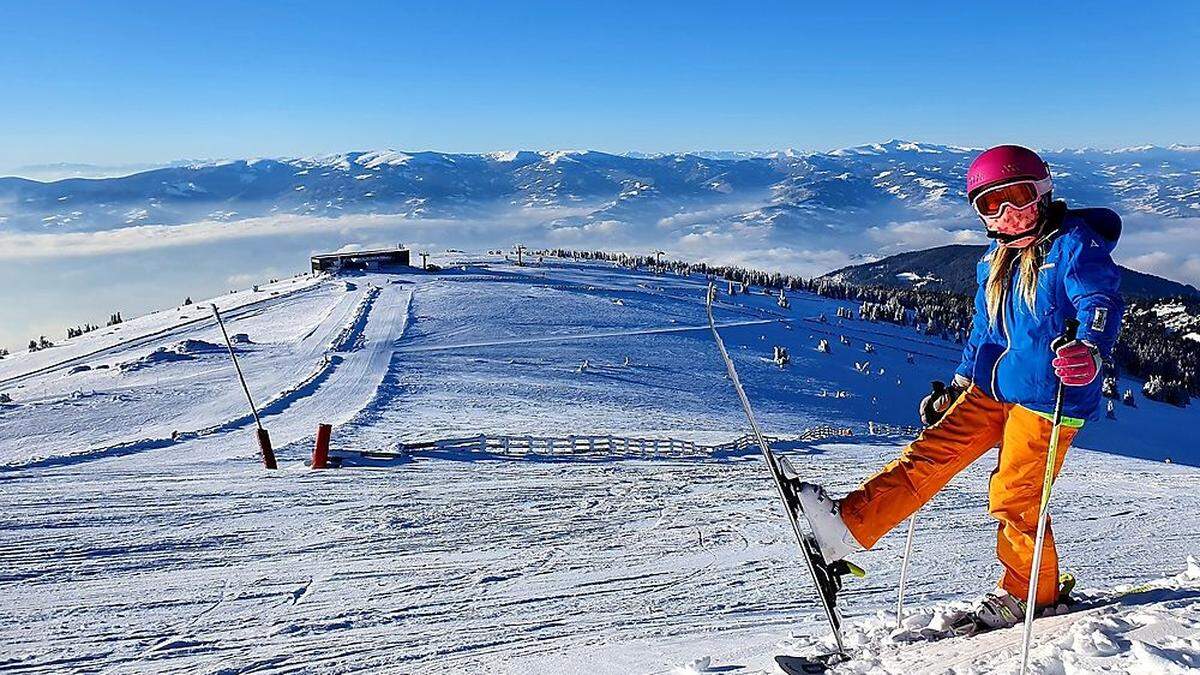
column 1047, row 264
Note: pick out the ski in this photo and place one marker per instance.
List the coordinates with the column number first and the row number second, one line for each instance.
column 826, row 578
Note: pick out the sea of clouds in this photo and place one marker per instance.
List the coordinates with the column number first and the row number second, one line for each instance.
column 51, row 280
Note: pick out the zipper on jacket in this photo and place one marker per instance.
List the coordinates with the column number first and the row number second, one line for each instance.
column 1007, row 340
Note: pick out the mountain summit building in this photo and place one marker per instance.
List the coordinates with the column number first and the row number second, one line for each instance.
column 360, row 260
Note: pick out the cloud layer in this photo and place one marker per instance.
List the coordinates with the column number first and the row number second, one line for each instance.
column 1166, row 247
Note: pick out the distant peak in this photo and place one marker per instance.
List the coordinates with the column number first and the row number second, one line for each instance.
column 509, row 155
column 556, row 156
column 897, row 145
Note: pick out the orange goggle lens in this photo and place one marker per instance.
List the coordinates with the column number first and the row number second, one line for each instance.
column 1019, row 195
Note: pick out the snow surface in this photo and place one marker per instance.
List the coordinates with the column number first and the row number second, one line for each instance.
column 142, row 536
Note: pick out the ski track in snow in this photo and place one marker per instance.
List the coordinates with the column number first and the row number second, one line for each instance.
column 233, row 307
column 348, row 367
column 190, row 558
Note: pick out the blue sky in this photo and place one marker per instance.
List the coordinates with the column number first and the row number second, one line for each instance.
column 123, row 82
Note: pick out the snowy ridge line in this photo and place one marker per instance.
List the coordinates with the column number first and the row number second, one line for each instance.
column 593, row 287
column 596, row 288
column 605, row 445
column 349, row 335
column 232, row 313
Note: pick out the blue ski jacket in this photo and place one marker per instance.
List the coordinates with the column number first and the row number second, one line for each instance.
column 1009, row 359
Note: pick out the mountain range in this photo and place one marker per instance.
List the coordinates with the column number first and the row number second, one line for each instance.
column 788, row 190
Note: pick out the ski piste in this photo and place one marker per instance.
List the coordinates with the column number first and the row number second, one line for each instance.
column 826, row 578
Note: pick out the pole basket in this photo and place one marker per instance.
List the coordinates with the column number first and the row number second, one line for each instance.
column 320, row 456
column 264, row 444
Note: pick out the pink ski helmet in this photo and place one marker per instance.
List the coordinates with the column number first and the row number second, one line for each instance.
column 1009, row 187
column 1002, row 164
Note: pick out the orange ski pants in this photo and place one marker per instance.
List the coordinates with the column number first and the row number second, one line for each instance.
column 972, row 425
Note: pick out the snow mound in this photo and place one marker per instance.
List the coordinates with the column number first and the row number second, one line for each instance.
column 154, row 358
column 695, row 666
column 192, row 346
column 184, row 350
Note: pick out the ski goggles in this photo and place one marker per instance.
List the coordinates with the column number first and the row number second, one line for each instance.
column 1018, row 194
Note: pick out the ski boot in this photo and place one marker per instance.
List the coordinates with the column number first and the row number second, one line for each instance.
column 828, row 541
column 822, row 514
column 999, row 609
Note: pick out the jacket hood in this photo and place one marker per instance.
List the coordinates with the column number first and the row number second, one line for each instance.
column 1104, row 223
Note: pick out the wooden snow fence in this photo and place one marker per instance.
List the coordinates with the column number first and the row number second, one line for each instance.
column 586, row 445
column 574, row 445
column 882, row 429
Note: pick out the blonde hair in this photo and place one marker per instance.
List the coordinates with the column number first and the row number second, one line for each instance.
column 1003, row 262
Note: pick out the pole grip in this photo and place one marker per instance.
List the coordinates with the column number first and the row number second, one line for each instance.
column 1070, row 332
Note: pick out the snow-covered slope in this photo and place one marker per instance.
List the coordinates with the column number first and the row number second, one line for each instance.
column 142, row 536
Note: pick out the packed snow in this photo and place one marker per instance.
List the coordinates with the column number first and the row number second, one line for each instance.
column 142, row 535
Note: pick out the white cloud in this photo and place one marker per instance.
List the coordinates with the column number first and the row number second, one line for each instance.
column 1166, row 247
column 602, row 231
column 24, row 246
column 247, row 280
column 918, row 234
column 759, row 247
column 707, row 216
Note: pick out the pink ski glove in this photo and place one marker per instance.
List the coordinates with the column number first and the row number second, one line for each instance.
column 1076, row 363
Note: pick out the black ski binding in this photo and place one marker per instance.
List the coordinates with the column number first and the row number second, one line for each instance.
column 808, row 665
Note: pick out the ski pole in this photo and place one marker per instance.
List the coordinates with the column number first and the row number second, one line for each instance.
column 264, row 439
column 912, row 525
column 1044, row 509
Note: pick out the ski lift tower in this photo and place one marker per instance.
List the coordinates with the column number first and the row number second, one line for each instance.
column 424, row 259
column 520, row 253
column 658, row 260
